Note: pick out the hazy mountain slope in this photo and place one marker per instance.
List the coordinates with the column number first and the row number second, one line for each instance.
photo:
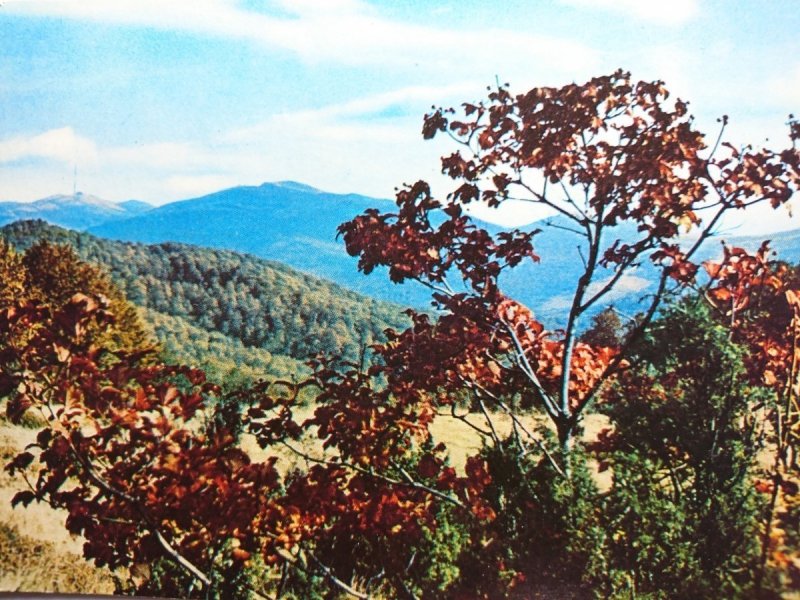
column 296, row 224
column 80, row 211
column 289, row 222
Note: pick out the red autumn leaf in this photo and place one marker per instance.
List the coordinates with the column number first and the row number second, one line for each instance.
column 17, row 406
column 25, row 498
column 428, row 466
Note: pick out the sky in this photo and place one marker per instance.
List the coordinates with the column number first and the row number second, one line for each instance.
column 163, row 100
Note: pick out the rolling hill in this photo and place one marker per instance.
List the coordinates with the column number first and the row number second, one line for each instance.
column 237, row 309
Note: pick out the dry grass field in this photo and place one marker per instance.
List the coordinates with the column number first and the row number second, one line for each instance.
column 36, row 551
column 38, row 554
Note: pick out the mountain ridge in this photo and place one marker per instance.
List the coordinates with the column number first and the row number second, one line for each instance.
column 296, row 224
column 288, row 222
column 74, row 211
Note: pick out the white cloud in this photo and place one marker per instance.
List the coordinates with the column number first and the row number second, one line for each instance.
column 368, row 145
column 23, row 183
column 176, row 165
column 336, row 148
column 62, row 145
column 675, row 12
column 162, row 155
column 749, row 88
column 343, row 31
column 511, row 213
column 363, row 119
column 785, row 88
column 209, row 16
column 761, row 220
column 627, row 285
column 304, row 6
column 426, row 95
column 672, row 64
column 187, row 186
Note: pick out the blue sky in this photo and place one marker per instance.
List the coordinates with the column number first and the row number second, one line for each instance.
column 162, row 100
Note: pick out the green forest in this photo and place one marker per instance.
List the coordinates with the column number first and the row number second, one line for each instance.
column 239, row 317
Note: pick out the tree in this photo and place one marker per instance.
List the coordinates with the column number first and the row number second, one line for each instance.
column 607, row 156
column 12, row 273
column 600, row 155
column 683, row 513
column 758, row 299
column 607, row 330
column 125, row 452
column 54, row 274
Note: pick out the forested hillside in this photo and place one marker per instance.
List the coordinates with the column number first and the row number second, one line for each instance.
column 223, row 357
column 212, row 303
column 284, row 221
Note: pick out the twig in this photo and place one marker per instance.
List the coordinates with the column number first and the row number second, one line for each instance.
column 408, row 483
column 524, row 364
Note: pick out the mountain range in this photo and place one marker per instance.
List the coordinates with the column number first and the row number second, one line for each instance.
column 78, row 211
column 285, row 221
column 296, row 224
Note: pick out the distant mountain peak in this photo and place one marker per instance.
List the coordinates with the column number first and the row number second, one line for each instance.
column 77, row 198
column 135, row 205
column 292, row 185
column 75, row 211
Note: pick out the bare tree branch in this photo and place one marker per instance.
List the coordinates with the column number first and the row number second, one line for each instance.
column 526, row 367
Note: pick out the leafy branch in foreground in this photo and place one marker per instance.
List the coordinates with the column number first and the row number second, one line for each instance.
column 607, row 157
